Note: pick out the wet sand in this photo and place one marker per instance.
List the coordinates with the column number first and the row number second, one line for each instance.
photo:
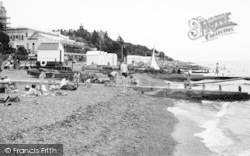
column 188, row 144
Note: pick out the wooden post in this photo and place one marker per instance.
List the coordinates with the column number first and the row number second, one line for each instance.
column 239, row 88
column 219, row 87
column 165, row 93
column 203, row 86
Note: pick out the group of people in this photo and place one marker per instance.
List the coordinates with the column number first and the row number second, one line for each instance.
column 65, row 84
column 124, row 74
column 189, row 74
column 6, row 86
column 11, row 63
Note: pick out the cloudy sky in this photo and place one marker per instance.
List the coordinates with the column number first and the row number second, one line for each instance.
column 146, row 22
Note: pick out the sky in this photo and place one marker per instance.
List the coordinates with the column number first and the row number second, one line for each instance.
column 159, row 23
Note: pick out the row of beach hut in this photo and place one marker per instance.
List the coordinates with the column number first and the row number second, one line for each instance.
column 104, row 58
column 101, row 58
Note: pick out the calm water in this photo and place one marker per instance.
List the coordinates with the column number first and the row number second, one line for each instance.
column 224, row 127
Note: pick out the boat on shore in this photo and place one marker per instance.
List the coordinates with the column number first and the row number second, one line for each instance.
column 48, row 72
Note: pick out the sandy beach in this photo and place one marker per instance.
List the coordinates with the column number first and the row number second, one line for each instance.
column 99, row 121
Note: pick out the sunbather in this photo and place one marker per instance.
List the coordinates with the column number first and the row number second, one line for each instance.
column 41, row 87
column 89, row 82
column 52, row 83
column 64, row 85
column 8, row 86
column 132, row 80
column 33, row 91
column 113, row 76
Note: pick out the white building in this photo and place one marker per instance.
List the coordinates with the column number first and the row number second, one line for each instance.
column 94, row 57
column 112, row 59
column 101, row 58
column 138, row 59
column 104, row 56
column 30, row 39
column 50, row 52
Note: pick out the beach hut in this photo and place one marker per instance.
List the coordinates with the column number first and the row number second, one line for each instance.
column 94, row 57
column 112, row 59
column 138, row 59
column 50, row 52
column 131, row 58
column 146, row 59
column 104, row 58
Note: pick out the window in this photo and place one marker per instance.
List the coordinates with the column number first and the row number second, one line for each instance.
column 22, row 37
column 16, row 37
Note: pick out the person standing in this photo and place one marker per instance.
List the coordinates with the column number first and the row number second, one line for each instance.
column 124, row 73
column 76, row 78
column 189, row 73
column 17, row 63
column 217, row 69
column 42, row 76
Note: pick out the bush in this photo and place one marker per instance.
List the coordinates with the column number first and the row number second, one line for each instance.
column 22, row 53
column 22, row 57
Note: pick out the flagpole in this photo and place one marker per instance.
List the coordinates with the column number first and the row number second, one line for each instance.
column 59, row 36
column 122, row 53
column 59, row 45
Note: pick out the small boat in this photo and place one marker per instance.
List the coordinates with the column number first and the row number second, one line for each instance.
column 49, row 72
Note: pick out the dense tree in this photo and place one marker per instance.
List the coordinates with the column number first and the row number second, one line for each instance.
column 162, row 55
column 2, row 27
column 4, row 39
column 21, row 53
column 120, row 40
column 4, row 43
column 95, row 39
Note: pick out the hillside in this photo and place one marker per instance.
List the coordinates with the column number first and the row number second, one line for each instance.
column 101, row 41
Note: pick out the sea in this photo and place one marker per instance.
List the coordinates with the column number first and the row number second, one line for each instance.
column 210, row 128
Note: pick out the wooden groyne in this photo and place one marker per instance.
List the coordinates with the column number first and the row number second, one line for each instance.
column 183, row 77
column 193, row 94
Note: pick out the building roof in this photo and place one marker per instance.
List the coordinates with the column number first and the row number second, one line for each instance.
column 19, row 28
column 93, row 53
column 48, row 46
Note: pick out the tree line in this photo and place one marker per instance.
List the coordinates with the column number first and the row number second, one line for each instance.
column 102, row 41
